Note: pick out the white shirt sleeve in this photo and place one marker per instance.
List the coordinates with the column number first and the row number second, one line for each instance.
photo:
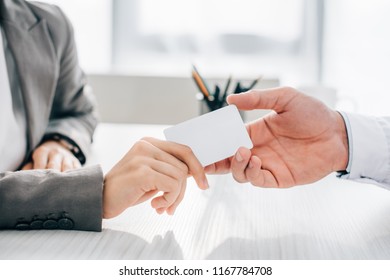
column 369, row 149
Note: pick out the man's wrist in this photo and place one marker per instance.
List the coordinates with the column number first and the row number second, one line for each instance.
column 342, row 146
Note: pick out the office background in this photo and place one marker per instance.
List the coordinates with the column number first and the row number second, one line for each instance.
column 138, row 57
column 139, row 53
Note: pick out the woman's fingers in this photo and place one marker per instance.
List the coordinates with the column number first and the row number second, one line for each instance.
column 184, row 154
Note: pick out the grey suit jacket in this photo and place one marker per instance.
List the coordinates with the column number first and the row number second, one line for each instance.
column 56, row 103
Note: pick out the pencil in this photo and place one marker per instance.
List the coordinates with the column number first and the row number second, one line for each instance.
column 200, row 83
column 227, row 85
column 255, row 82
column 223, row 99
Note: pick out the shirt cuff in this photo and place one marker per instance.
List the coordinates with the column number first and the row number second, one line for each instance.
column 368, row 148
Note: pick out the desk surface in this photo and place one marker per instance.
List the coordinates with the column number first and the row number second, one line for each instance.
column 331, row 219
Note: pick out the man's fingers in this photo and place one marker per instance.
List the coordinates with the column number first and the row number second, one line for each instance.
column 265, row 179
column 184, row 154
column 248, row 168
column 239, row 164
column 274, row 99
column 253, row 169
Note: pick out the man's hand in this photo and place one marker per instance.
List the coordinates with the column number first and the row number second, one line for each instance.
column 151, row 166
column 301, row 142
column 52, row 155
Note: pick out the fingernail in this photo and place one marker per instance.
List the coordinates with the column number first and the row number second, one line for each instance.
column 239, row 157
column 250, row 164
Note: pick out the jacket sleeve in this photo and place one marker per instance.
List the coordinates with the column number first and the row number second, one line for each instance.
column 47, row 199
column 369, row 149
column 74, row 112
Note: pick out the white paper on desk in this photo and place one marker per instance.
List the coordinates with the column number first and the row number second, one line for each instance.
column 213, row 136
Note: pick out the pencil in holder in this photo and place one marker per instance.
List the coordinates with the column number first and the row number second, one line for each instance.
column 207, row 106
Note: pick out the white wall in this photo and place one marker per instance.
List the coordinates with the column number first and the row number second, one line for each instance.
column 155, row 100
column 357, row 52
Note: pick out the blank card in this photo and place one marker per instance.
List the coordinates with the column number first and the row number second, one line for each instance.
column 213, row 136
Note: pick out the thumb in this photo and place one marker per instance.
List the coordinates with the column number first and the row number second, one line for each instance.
column 275, row 99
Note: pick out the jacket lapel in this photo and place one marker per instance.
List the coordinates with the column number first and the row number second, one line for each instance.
column 35, row 60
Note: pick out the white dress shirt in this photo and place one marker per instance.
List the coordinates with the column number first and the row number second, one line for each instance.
column 369, row 149
column 12, row 117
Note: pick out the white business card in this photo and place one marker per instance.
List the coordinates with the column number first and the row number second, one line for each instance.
column 213, row 136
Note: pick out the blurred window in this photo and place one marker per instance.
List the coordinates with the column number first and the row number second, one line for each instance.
column 244, row 38
column 241, row 37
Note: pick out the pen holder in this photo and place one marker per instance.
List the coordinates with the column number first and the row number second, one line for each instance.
column 205, row 108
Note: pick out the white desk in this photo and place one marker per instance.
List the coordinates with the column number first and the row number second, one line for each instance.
column 332, row 219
